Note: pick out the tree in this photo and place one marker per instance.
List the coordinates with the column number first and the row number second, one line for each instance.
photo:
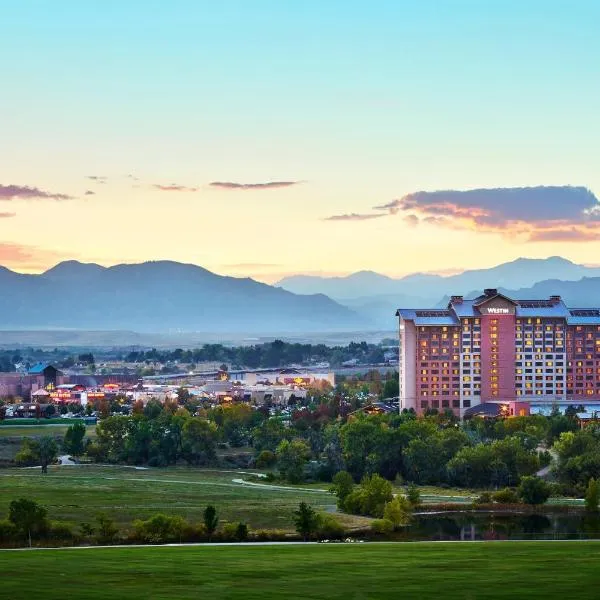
column 398, row 511
column 211, row 520
column 199, row 441
column 42, row 452
column 342, row 487
column 28, row 517
column 370, row 497
column 73, row 442
column 306, row 520
column 291, row 459
column 592, row 495
column 391, row 389
column 533, row 490
column 47, row 451
column 413, row 495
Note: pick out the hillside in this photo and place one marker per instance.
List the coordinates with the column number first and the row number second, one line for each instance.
column 158, row 297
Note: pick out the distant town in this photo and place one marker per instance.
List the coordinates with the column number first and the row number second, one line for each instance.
column 111, row 381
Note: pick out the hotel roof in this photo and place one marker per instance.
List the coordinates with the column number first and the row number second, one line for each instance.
column 462, row 308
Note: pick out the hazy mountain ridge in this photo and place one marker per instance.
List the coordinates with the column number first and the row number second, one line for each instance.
column 160, row 296
column 377, row 296
column 522, row 272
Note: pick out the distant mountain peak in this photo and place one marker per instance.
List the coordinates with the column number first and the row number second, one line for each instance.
column 72, row 269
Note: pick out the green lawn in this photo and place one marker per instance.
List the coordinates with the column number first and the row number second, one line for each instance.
column 77, row 494
column 22, row 431
column 450, row 571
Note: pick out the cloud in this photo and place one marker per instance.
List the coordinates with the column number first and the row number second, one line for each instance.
column 7, row 215
column 355, row 217
column 543, row 213
column 97, row 178
column 24, row 192
column 25, row 257
column 230, row 185
column 566, row 235
column 173, row 187
column 89, row 193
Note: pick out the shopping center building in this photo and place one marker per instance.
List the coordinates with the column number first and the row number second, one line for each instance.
column 497, row 349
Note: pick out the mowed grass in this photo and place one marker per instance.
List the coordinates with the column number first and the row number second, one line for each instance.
column 77, row 494
column 473, row 571
column 23, row 431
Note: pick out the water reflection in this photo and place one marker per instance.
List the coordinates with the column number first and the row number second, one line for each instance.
column 501, row 526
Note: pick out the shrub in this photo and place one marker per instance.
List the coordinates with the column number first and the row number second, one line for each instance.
column 382, row 526
column 505, row 496
column 484, row 498
column 58, row 530
column 107, row 530
column 241, row 532
column 235, row 531
column 533, row 490
column 160, row 529
column 265, row 459
column 8, row 531
column 328, row 527
column 370, row 497
column 592, row 495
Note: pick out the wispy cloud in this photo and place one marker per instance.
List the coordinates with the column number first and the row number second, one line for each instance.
column 27, row 258
column 231, row 185
column 174, row 187
column 24, row 192
column 97, row 178
column 355, row 217
column 7, row 215
column 537, row 214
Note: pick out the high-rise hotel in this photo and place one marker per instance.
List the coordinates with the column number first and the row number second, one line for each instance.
column 496, row 349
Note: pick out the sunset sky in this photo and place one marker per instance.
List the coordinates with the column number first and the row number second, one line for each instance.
column 270, row 137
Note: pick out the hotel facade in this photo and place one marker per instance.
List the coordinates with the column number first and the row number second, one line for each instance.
column 500, row 350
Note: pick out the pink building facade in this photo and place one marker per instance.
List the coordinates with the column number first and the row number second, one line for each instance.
column 497, row 349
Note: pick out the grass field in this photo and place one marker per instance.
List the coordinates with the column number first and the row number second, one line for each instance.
column 472, row 571
column 22, row 431
column 11, row 436
column 77, row 494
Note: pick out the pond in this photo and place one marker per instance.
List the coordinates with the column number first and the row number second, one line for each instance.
column 477, row 525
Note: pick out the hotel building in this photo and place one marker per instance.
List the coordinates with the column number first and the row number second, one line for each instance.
column 500, row 350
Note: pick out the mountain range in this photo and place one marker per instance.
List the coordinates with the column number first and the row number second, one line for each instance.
column 376, row 296
column 161, row 296
column 170, row 297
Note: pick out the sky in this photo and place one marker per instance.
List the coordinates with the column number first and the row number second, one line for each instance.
column 265, row 138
